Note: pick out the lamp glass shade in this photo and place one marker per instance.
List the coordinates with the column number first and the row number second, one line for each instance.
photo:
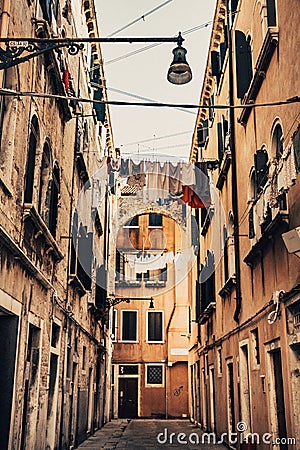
column 179, row 71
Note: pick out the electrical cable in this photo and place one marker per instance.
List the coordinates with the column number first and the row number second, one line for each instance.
column 119, row 91
column 10, row 92
column 148, row 47
column 139, row 18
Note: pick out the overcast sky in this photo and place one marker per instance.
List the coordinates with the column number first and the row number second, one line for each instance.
column 144, row 74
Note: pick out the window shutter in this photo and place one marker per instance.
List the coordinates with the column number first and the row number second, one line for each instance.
column 101, row 282
column 215, row 63
column 95, row 76
column 251, row 224
column 220, row 141
column 223, row 46
column 296, row 144
column 261, row 167
column 99, row 107
column 243, row 63
column 271, row 12
column 85, row 257
column 194, row 232
column 211, row 107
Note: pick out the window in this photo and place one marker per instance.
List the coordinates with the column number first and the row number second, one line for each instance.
column 202, row 133
column 154, row 326
column 129, row 369
column 222, row 128
column 155, row 220
column 44, row 181
column 132, row 223
column 53, row 199
column 155, row 374
column 277, row 142
column 29, row 174
column 81, row 253
column 220, row 367
column 157, row 276
column 129, row 326
column 261, row 169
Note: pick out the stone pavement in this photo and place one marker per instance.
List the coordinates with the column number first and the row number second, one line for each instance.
column 149, row 434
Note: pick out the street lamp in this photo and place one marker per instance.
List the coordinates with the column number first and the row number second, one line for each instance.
column 12, row 50
column 179, row 71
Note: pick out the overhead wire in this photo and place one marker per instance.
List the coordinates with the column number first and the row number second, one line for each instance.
column 148, row 47
column 140, row 18
column 11, row 92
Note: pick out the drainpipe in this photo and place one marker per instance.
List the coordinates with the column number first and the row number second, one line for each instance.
column 234, row 170
column 167, row 359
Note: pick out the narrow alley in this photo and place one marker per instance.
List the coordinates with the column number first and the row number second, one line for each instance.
column 149, row 224
column 133, row 434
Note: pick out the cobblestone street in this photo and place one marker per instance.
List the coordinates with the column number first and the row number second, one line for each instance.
column 149, row 434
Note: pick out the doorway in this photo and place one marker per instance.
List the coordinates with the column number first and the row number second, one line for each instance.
column 128, row 397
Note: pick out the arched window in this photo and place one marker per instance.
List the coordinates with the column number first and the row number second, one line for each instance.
column 29, row 175
column 53, row 199
column 44, row 182
column 277, row 142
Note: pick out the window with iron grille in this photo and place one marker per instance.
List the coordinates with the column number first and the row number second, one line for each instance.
column 154, row 374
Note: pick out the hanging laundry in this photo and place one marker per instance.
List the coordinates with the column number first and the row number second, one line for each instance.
column 66, row 78
column 175, row 183
column 138, row 180
column 202, row 189
column 124, row 168
column 287, row 170
column 188, row 174
column 137, row 168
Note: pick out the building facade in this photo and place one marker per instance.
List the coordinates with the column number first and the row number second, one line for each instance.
column 151, row 318
column 56, row 206
column 244, row 353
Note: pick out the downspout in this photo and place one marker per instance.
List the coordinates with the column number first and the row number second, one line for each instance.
column 234, row 170
column 167, row 335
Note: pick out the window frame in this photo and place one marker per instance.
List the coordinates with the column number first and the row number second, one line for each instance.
column 154, row 385
column 125, row 341
column 162, row 327
column 128, row 223
column 155, row 215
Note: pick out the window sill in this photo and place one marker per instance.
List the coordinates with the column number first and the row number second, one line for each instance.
column 207, row 313
column 155, row 226
column 278, row 224
column 76, row 283
column 155, row 284
column 31, row 213
column 228, row 287
column 263, row 61
column 128, row 283
column 224, row 168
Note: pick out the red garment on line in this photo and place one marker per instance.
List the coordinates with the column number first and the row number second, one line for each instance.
column 66, row 79
column 191, row 198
